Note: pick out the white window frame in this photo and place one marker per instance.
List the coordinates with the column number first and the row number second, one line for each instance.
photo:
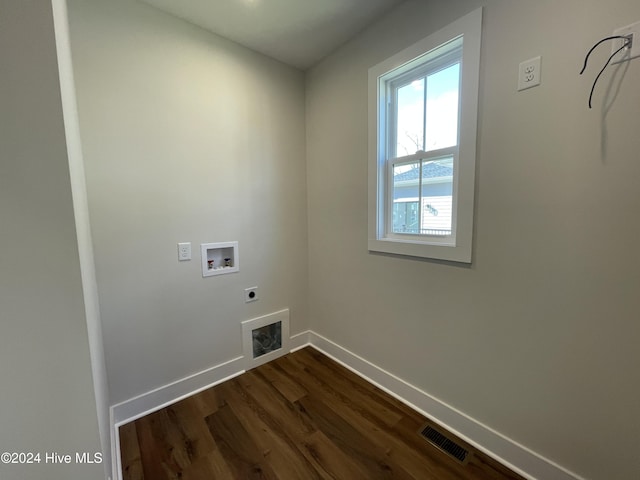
column 457, row 246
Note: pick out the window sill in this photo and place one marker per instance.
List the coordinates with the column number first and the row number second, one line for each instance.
column 440, row 251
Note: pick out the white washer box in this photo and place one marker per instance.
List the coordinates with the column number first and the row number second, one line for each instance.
column 219, row 258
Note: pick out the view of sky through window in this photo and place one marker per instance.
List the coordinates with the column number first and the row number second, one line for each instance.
column 438, row 127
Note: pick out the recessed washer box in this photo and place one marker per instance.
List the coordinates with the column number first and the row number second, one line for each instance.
column 219, row 258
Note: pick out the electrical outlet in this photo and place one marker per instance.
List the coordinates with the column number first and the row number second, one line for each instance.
column 630, row 31
column 530, row 73
column 184, row 251
column 250, row 294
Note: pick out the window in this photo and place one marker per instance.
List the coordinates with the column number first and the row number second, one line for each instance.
column 422, row 138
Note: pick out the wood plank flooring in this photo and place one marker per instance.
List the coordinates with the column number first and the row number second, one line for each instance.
column 301, row 416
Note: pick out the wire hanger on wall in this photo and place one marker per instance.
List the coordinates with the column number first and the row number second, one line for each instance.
column 627, row 44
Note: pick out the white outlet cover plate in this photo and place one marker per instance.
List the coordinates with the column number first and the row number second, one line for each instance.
column 626, row 54
column 184, row 251
column 530, row 73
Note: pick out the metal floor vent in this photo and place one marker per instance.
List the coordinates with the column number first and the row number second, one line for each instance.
column 445, row 444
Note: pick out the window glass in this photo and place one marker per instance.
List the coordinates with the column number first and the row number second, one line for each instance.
column 442, row 94
column 423, row 197
column 436, row 197
column 410, row 118
column 423, row 109
column 406, row 190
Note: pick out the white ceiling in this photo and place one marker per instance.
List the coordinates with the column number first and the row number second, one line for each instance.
column 296, row 32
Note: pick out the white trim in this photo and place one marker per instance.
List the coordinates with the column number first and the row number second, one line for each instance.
column 161, row 397
column 116, row 459
column 299, row 341
column 510, row 453
column 158, row 398
column 458, row 246
column 83, row 228
column 517, row 457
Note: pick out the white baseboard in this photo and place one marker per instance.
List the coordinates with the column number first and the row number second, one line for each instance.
column 508, row 452
column 158, row 398
column 134, row 408
column 161, row 397
column 299, row 341
column 154, row 400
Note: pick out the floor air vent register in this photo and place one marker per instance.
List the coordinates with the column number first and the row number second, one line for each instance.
column 445, row 444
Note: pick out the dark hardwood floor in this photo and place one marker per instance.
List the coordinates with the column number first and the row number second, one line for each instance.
column 301, row 416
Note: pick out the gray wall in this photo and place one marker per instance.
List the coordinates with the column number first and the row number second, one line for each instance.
column 47, row 398
column 187, row 137
column 538, row 339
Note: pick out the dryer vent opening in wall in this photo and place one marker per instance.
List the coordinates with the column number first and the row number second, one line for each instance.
column 445, row 444
column 265, row 338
